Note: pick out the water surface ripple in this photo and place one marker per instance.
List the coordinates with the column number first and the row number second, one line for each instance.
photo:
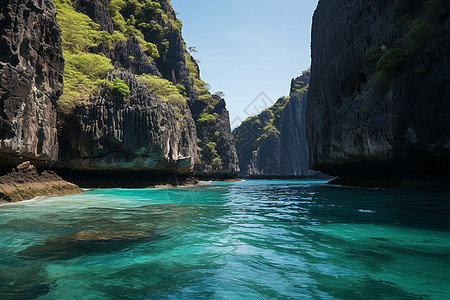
column 232, row 240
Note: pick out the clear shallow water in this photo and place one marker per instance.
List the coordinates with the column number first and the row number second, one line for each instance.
column 236, row 240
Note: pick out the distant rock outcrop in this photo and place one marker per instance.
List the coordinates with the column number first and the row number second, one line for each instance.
column 31, row 80
column 379, row 102
column 273, row 143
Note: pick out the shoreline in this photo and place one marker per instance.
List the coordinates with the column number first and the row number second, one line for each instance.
column 4, row 203
column 287, row 177
column 25, row 183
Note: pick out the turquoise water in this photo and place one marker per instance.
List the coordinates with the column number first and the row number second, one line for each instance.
column 234, row 240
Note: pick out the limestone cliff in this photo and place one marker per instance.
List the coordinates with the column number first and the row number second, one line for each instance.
column 378, row 106
column 273, row 143
column 133, row 103
column 31, row 69
column 141, row 114
column 218, row 158
column 217, row 153
column 138, row 133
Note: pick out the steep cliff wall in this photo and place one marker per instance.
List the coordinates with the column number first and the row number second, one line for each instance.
column 273, row 143
column 379, row 105
column 139, row 132
column 217, row 153
column 31, row 68
column 139, row 111
column 218, row 158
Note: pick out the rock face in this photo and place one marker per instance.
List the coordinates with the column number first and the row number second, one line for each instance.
column 273, row 144
column 31, row 69
column 218, row 157
column 141, row 118
column 135, row 134
column 144, row 134
column 379, row 106
column 140, row 64
column 25, row 183
column 97, row 11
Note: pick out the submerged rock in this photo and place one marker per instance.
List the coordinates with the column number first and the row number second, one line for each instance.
column 84, row 243
column 25, row 183
column 23, row 281
column 95, row 236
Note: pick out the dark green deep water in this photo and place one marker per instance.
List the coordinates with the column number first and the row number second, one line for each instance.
column 237, row 240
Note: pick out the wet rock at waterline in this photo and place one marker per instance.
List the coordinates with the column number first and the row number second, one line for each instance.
column 25, row 183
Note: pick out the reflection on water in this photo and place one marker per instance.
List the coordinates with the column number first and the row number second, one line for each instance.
column 235, row 240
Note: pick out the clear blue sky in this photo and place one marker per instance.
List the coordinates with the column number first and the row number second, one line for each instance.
column 248, row 46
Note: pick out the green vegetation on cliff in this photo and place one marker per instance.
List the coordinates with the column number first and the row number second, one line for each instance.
column 392, row 60
column 118, row 88
column 298, row 86
column 168, row 92
column 373, row 54
column 79, row 32
column 84, row 72
column 194, row 73
column 133, row 18
column 163, row 88
column 206, row 119
column 416, row 16
column 263, row 125
column 256, row 129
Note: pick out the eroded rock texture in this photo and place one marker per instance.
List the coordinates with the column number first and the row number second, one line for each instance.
column 25, row 183
column 31, row 67
column 143, row 135
column 379, row 101
column 132, row 134
column 96, row 10
column 129, row 55
column 218, row 158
